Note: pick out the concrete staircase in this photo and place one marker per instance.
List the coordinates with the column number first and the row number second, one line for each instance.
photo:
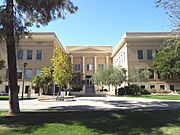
column 90, row 90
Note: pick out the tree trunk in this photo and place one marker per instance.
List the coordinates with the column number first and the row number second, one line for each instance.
column 11, row 57
column 59, row 93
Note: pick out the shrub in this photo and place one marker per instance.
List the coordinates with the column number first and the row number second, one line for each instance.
column 121, row 91
column 133, row 89
column 144, row 92
column 105, row 90
column 129, row 90
column 153, row 90
column 165, row 91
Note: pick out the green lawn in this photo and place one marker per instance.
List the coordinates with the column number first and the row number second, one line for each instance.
column 7, row 98
column 162, row 122
column 4, row 97
column 163, row 97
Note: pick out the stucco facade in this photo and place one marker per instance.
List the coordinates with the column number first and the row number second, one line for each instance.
column 37, row 51
column 135, row 50
column 146, row 44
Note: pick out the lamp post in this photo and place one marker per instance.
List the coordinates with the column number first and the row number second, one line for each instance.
column 24, row 64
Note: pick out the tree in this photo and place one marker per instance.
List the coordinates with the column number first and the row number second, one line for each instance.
column 2, row 64
column 99, row 78
column 1, row 67
column 15, row 17
column 44, row 81
column 118, row 77
column 167, row 63
column 171, row 8
column 77, row 82
column 37, row 83
column 110, row 76
column 62, row 68
column 138, row 75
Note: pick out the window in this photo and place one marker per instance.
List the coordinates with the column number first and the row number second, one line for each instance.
column 27, row 89
column 142, row 86
column 149, row 54
column 28, row 74
column 77, row 67
column 101, row 66
column 20, row 54
column 171, row 87
column 151, row 74
column 162, row 87
column 89, row 67
column 18, row 88
column 38, row 72
column 121, row 58
column 29, row 54
column 39, row 54
column 152, row 86
column 159, row 76
column 19, row 73
column 140, row 54
column 124, row 56
column 6, row 89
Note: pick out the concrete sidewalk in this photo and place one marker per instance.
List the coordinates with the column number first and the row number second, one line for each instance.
column 97, row 103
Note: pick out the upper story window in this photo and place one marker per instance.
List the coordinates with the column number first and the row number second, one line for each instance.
column 29, row 54
column 77, row 67
column 149, row 54
column 28, row 74
column 121, row 58
column 140, row 54
column 89, row 67
column 101, row 66
column 37, row 72
column 124, row 58
column 20, row 54
column 39, row 54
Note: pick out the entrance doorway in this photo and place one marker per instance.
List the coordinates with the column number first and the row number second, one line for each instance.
column 88, row 80
column 90, row 91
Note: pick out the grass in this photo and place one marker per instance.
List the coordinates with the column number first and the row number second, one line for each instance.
column 91, row 123
column 4, row 97
column 163, row 97
column 7, row 98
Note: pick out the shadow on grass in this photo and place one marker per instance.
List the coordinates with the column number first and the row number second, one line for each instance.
column 101, row 122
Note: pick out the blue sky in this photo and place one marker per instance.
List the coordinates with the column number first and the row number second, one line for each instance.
column 104, row 22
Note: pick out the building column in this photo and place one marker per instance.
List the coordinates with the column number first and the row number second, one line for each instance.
column 95, row 66
column 84, row 67
column 71, row 59
column 107, row 61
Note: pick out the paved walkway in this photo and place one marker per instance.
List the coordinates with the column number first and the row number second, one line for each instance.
column 97, row 103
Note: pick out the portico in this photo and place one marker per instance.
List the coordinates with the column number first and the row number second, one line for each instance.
column 89, row 59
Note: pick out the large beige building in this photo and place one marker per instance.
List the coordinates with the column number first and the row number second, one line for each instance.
column 37, row 51
column 136, row 51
